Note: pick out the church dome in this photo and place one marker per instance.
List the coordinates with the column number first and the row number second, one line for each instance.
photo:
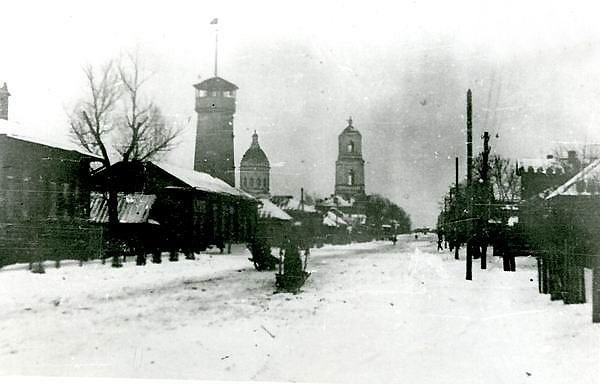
column 350, row 129
column 255, row 156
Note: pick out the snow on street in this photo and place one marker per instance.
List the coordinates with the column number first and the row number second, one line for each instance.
column 370, row 312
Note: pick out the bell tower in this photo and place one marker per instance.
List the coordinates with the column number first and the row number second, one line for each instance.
column 350, row 166
column 4, row 102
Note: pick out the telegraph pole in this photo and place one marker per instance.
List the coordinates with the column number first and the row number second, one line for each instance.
column 456, row 212
column 469, row 274
column 486, row 197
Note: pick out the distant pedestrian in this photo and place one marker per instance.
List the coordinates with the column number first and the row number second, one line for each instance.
column 394, row 239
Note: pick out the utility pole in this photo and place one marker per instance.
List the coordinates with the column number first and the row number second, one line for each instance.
column 486, row 198
column 469, row 274
column 456, row 212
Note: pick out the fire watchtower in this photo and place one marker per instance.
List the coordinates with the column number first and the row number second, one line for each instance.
column 215, row 105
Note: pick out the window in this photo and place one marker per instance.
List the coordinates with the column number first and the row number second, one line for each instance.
column 351, row 177
column 252, row 182
column 257, row 182
column 351, row 147
column 244, row 182
column 265, row 183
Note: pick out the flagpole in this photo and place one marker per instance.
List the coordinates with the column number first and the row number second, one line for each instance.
column 216, row 45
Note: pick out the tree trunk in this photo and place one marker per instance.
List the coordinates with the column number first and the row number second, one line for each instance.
column 113, row 224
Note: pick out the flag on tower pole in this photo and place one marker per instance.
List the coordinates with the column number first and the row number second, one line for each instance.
column 215, row 21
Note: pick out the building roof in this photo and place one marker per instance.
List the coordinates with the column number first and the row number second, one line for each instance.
column 584, row 183
column 133, row 208
column 541, row 165
column 288, row 203
column 20, row 132
column 331, row 219
column 254, row 155
column 268, row 210
column 350, row 128
column 201, row 181
column 216, row 84
column 336, row 201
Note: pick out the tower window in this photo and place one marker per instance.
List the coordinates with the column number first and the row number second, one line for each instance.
column 257, row 182
column 351, row 177
column 244, row 182
column 252, row 182
column 351, row 147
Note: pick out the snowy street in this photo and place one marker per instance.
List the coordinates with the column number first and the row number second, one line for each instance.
column 370, row 312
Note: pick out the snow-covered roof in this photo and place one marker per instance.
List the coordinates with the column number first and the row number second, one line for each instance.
column 20, row 132
column 292, row 204
column 585, row 183
column 271, row 211
column 200, row 180
column 132, row 208
column 216, row 83
column 336, row 201
column 333, row 220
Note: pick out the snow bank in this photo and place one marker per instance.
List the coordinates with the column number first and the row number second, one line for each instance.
column 370, row 312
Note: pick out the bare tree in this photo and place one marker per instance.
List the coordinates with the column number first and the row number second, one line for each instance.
column 94, row 117
column 114, row 115
column 584, row 155
column 506, row 182
column 143, row 133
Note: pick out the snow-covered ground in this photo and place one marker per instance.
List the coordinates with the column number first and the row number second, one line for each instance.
column 369, row 313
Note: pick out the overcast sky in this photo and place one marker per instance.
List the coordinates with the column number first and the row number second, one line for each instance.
column 401, row 69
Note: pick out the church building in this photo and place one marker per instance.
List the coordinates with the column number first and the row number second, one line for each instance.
column 254, row 170
column 350, row 166
column 4, row 94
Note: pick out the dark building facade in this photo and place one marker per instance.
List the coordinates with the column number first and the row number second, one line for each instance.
column 350, row 166
column 254, row 170
column 44, row 201
column 193, row 210
column 215, row 105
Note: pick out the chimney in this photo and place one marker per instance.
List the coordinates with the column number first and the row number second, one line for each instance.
column 4, row 102
column 573, row 161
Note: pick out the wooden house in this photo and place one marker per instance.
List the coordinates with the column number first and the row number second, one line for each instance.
column 189, row 212
column 44, row 198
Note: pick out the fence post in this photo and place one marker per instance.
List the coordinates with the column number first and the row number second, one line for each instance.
column 596, row 291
